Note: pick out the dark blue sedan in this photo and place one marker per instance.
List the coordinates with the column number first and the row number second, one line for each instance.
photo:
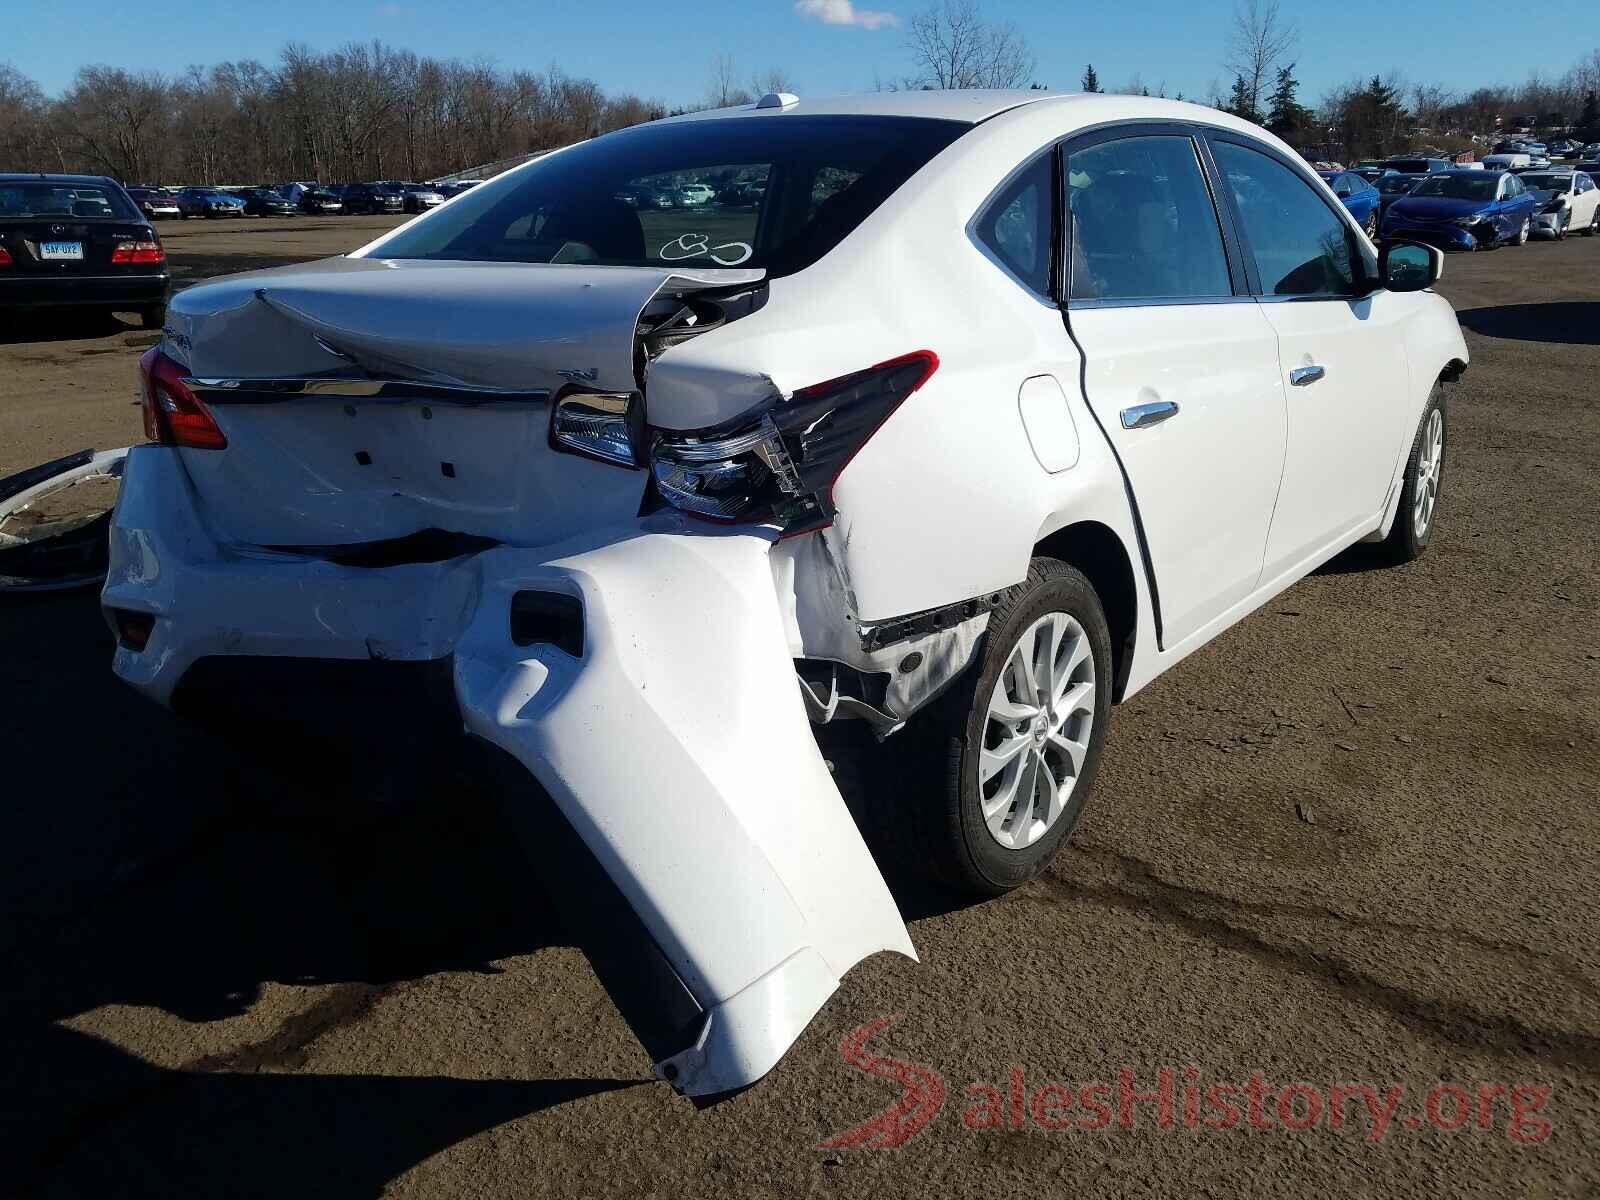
column 1463, row 210
column 1358, row 195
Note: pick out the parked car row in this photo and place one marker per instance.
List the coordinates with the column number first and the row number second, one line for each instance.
column 1481, row 209
column 743, row 194
column 286, row 199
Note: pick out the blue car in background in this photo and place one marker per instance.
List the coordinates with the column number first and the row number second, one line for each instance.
column 209, row 202
column 1463, row 210
column 1358, row 195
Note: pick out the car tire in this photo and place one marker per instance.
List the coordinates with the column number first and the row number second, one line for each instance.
column 1055, row 605
column 1594, row 224
column 1371, row 227
column 1417, row 516
column 153, row 316
column 1522, row 234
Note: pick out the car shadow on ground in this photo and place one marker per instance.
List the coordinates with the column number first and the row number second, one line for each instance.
column 66, row 325
column 147, row 862
column 1574, row 322
column 1360, row 559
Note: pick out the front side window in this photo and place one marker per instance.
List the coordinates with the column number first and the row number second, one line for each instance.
column 772, row 192
column 1300, row 246
column 1016, row 224
column 1143, row 223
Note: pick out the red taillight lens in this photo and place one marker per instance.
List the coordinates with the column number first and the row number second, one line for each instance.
column 173, row 415
column 5, row 257
column 138, row 252
column 783, row 467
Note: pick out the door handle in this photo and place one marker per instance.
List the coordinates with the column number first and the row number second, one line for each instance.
column 1306, row 376
column 1142, row 416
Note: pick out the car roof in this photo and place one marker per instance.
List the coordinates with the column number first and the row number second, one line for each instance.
column 42, row 176
column 971, row 105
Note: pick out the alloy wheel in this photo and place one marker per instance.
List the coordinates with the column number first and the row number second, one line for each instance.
column 1036, row 736
column 1430, row 465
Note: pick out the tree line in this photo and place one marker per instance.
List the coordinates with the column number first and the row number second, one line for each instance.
column 365, row 111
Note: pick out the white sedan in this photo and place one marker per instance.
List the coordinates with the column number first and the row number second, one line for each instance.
column 991, row 408
column 1569, row 202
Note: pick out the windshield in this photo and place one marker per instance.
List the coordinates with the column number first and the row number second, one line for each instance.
column 1459, row 187
column 776, row 192
column 82, row 200
column 1547, row 183
column 1389, row 185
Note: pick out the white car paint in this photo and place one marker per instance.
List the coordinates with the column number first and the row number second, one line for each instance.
column 677, row 744
column 1582, row 197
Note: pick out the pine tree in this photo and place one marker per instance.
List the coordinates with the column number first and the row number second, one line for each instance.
column 1288, row 118
column 1090, row 80
column 1239, row 103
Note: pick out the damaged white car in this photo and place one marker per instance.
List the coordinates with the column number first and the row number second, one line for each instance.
column 969, row 410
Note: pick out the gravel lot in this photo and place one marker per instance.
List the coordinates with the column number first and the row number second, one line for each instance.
column 1354, row 841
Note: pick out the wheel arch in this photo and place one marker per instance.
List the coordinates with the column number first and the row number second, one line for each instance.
column 1097, row 551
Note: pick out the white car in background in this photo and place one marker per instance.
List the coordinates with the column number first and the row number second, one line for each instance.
column 696, row 194
column 990, row 409
column 1568, row 201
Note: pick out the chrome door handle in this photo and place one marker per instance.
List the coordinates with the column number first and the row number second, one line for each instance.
column 1306, row 376
column 1142, row 416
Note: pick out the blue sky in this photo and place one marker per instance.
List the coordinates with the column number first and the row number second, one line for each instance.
column 664, row 49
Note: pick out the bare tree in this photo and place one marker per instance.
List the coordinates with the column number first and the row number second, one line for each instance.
column 724, row 90
column 773, row 79
column 1261, row 38
column 954, row 47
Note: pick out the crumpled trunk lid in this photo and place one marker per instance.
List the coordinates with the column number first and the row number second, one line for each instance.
column 365, row 400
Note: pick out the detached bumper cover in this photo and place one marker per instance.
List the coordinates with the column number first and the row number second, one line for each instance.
column 676, row 746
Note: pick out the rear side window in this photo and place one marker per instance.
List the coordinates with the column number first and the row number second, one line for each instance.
column 1143, row 223
column 776, row 192
column 1016, row 224
column 1301, row 247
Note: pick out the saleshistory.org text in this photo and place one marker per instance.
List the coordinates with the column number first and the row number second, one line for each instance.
column 1185, row 1098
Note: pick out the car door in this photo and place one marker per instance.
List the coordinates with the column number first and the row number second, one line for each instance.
column 1180, row 365
column 1586, row 198
column 1516, row 206
column 1341, row 350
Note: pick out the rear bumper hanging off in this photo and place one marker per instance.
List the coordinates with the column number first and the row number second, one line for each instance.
column 675, row 744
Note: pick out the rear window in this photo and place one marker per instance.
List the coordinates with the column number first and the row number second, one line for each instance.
column 84, row 201
column 776, row 192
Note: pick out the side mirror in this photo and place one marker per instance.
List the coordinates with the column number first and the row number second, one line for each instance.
column 1409, row 266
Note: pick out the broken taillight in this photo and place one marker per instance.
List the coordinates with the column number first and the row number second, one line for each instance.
column 174, row 415
column 782, row 466
column 608, row 426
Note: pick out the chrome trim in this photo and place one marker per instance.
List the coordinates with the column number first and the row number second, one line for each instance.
column 710, row 451
column 1306, row 376
column 380, row 391
column 1089, row 303
column 1142, row 416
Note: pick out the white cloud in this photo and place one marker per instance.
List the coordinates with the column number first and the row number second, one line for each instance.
column 843, row 12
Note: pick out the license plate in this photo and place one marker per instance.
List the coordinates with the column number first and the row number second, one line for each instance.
column 61, row 250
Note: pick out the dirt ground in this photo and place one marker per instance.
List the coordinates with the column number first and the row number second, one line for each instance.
column 1353, row 842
